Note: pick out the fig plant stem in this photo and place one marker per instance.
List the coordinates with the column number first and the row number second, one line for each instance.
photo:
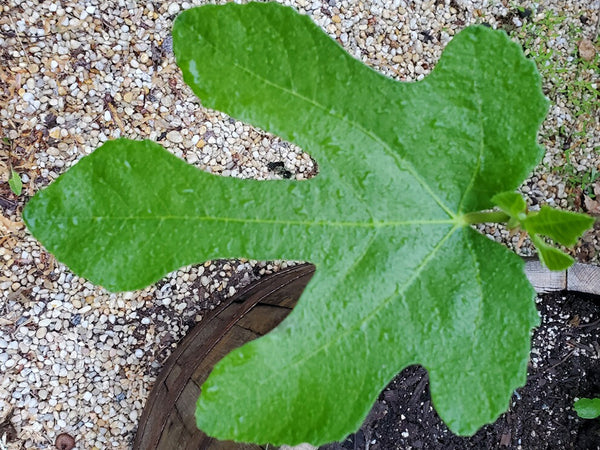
column 476, row 217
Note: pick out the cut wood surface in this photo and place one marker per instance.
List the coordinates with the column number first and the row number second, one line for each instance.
column 583, row 278
column 543, row 279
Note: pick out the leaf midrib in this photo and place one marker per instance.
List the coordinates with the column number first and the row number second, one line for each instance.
column 322, row 223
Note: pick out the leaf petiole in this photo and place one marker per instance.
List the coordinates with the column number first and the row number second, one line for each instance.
column 477, row 217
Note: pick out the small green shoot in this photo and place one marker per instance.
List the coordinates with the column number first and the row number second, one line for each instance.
column 587, row 408
column 14, row 179
column 15, row 183
column 562, row 227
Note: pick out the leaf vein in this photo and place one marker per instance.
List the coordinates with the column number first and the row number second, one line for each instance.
column 359, row 324
column 373, row 225
column 481, row 147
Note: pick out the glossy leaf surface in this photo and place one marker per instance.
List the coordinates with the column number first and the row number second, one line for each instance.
column 564, row 227
column 551, row 257
column 400, row 278
column 511, row 203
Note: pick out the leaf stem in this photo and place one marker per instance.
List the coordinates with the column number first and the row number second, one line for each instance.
column 476, row 217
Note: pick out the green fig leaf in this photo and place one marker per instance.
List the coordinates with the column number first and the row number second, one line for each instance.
column 401, row 278
column 564, row 227
column 551, row 257
column 511, row 203
column 587, row 408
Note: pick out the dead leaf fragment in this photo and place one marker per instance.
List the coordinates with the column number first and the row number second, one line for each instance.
column 575, row 321
column 587, row 51
column 8, row 226
column 593, row 205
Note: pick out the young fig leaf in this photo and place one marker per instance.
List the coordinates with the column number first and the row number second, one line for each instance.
column 551, row 257
column 511, row 203
column 564, row 227
column 401, row 278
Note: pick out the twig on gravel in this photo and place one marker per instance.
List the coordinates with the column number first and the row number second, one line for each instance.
column 116, row 118
column 19, row 39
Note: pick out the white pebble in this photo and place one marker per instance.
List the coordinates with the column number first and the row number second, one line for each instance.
column 175, row 137
column 41, row 332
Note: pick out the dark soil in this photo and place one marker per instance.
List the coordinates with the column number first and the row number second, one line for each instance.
column 565, row 364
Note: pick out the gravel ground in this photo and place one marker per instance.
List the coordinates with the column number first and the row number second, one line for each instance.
column 76, row 359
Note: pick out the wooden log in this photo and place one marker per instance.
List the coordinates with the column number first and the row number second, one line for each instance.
column 543, row 279
column 584, row 278
column 578, row 278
